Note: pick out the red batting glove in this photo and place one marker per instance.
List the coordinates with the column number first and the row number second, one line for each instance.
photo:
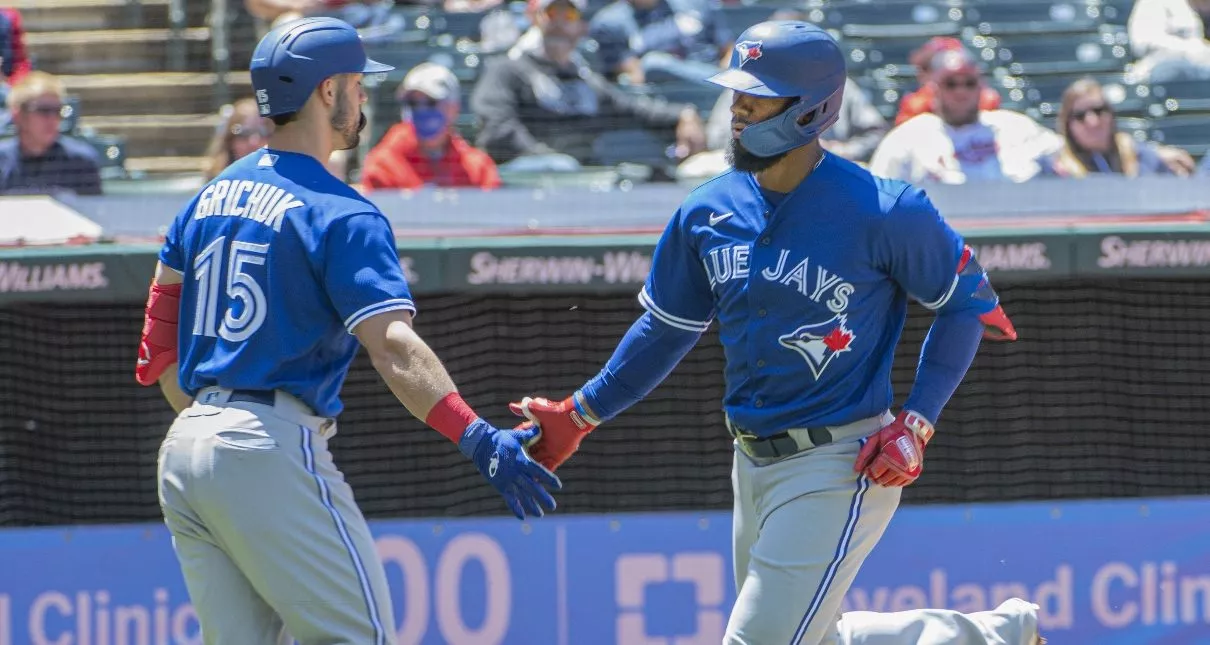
column 894, row 456
column 997, row 326
column 562, row 428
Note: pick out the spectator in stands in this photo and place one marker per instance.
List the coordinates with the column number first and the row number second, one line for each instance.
column 921, row 101
column 424, row 148
column 240, row 131
column 1169, row 37
column 542, row 98
column 958, row 141
column 656, row 41
column 14, row 62
column 359, row 13
column 40, row 160
column 1092, row 143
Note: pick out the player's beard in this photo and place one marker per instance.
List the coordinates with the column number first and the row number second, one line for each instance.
column 743, row 160
column 342, row 121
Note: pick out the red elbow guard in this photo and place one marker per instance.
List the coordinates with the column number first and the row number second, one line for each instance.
column 157, row 347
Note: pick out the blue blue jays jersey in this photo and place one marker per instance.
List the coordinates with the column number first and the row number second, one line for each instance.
column 810, row 295
column 281, row 261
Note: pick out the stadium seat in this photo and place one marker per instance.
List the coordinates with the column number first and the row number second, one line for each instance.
column 1188, row 132
column 699, row 94
column 1183, row 97
column 1099, row 53
column 919, row 20
column 457, row 25
column 996, row 17
column 1114, row 12
column 402, row 56
column 112, row 152
column 738, row 17
column 883, row 57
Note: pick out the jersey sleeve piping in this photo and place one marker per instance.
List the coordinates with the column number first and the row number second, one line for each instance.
column 394, row 304
column 669, row 319
column 945, row 297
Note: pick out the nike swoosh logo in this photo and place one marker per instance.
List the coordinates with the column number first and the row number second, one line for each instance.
column 715, row 218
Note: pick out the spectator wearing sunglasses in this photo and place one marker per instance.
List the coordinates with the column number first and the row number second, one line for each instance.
column 922, row 100
column 423, row 148
column 542, row 107
column 1092, row 143
column 40, row 159
column 959, row 141
column 240, row 131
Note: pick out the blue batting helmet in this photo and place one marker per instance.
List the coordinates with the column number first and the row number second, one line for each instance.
column 787, row 59
column 294, row 58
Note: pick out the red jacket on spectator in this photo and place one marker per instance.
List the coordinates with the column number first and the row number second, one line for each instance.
column 921, row 102
column 398, row 162
column 19, row 66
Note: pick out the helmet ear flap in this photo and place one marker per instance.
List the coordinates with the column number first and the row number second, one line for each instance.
column 798, row 125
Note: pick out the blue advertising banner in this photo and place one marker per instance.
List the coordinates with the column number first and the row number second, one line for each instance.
column 1111, row 573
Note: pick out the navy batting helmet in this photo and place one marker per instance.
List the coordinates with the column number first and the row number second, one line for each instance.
column 787, row 59
column 294, row 58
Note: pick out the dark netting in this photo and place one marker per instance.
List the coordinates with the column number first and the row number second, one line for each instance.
column 1103, row 396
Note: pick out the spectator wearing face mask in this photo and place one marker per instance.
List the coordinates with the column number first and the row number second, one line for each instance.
column 423, row 147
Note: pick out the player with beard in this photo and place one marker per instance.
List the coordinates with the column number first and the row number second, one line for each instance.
column 267, row 282
column 807, row 262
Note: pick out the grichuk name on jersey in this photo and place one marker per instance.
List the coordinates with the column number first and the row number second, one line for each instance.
column 727, row 263
column 254, row 200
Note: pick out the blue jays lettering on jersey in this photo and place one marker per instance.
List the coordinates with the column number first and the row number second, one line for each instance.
column 810, row 295
column 281, row 261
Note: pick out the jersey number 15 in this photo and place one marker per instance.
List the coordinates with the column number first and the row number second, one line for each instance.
column 241, row 286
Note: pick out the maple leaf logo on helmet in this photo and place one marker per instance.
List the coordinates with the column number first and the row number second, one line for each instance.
column 748, row 50
column 820, row 343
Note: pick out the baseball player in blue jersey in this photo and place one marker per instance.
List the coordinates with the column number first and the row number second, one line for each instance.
column 269, row 279
column 807, row 262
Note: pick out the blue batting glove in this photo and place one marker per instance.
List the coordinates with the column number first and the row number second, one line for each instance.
column 502, row 458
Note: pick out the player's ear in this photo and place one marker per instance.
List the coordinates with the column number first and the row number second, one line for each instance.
column 327, row 90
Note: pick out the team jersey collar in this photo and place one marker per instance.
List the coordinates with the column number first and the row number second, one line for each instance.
column 802, row 186
column 271, row 156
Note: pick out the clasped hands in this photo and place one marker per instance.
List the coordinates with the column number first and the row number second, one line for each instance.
column 893, row 456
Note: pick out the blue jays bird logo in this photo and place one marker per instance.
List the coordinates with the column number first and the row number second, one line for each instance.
column 819, row 343
column 748, row 50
